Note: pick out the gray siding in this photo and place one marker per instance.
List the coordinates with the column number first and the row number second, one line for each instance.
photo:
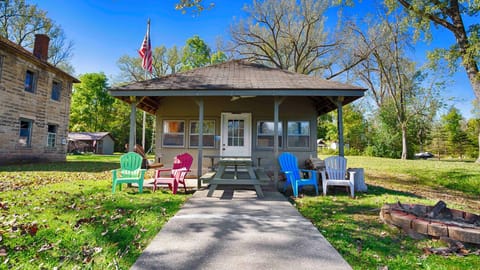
column 108, row 145
column 261, row 109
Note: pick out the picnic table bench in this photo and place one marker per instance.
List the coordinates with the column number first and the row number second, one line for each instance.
column 222, row 178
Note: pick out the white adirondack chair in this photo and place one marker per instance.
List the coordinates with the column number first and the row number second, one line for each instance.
column 335, row 174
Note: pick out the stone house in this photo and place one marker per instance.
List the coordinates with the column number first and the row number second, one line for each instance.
column 36, row 104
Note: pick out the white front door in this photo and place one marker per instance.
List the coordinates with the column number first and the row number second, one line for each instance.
column 236, row 134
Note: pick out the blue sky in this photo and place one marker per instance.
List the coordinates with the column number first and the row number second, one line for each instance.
column 105, row 30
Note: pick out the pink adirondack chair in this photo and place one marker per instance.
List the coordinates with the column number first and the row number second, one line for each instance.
column 180, row 168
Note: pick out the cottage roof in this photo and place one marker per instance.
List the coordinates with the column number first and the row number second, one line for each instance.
column 237, row 78
column 87, row 136
column 9, row 45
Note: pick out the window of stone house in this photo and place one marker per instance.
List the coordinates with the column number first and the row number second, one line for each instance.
column 265, row 134
column 298, row 134
column 25, row 136
column 51, row 135
column 30, row 81
column 173, row 133
column 56, row 90
column 208, row 133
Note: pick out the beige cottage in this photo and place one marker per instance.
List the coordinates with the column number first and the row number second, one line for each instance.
column 237, row 108
column 35, row 107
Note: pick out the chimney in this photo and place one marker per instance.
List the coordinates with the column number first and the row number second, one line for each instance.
column 40, row 47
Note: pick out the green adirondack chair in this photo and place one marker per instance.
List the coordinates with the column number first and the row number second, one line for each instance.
column 130, row 171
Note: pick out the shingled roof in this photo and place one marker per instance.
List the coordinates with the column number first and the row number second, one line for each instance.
column 9, row 45
column 87, row 136
column 236, row 78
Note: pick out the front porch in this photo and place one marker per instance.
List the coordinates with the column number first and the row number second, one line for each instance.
column 237, row 108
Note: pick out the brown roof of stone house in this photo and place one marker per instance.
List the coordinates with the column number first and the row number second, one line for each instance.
column 9, row 45
column 237, row 78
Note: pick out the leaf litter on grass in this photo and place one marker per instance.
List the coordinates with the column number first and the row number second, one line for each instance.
column 72, row 219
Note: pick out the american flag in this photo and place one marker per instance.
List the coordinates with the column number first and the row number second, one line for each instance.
column 145, row 51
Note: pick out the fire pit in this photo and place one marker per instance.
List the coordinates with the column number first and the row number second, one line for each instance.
column 436, row 221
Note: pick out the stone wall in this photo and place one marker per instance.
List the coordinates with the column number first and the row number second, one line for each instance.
column 37, row 107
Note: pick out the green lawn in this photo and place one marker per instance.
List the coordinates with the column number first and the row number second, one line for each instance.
column 354, row 228
column 64, row 216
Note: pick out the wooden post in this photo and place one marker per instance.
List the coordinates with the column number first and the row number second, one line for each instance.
column 200, row 140
column 341, row 151
column 133, row 124
column 276, row 109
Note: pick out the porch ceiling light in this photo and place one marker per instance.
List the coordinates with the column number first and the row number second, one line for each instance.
column 239, row 97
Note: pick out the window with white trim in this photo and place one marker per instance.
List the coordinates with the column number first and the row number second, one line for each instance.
column 25, row 136
column 208, row 133
column 51, row 136
column 298, row 134
column 30, row 81
column 56, row 90
column 173, row 133
column 266, row 134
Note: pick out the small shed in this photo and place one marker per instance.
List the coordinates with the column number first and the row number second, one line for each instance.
column 95, row 142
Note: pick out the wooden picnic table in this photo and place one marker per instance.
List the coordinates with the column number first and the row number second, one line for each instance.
column 221, row 178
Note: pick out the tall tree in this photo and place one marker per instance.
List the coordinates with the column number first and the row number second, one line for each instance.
column 394, row 79
column 196, row 53
column 456, row 137
column 196, row 6
column 450, row 15
column 91, row 108
column 290, row 35
column 164, row 61
column 453, row 16
column 439, row 140
column 19, row 22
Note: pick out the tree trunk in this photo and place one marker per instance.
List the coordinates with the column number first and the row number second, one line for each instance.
column 478, row 159
column 404, row 141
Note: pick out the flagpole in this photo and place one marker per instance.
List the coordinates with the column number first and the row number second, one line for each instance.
column 145, row 78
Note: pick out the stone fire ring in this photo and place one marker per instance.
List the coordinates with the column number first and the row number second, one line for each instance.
column 393, row 215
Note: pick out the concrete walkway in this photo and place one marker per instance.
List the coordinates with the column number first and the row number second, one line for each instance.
column 234, row 229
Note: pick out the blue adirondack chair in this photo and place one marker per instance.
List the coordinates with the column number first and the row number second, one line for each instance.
column 130, row 171
column 289, row 166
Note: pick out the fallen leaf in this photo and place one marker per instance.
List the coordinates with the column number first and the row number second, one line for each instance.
column 45, row 247
column 85, row 220
column 3, row 206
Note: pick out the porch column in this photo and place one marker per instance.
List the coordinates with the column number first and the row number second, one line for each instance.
column 276, row 106
column 133, row 123
column 200, row 104
column 340, row 126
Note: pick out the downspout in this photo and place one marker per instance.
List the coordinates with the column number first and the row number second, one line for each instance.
column 200, row 140
column 133, row 123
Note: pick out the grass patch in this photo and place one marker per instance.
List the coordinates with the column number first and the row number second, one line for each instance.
column 65, row 216
column 354, row 228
